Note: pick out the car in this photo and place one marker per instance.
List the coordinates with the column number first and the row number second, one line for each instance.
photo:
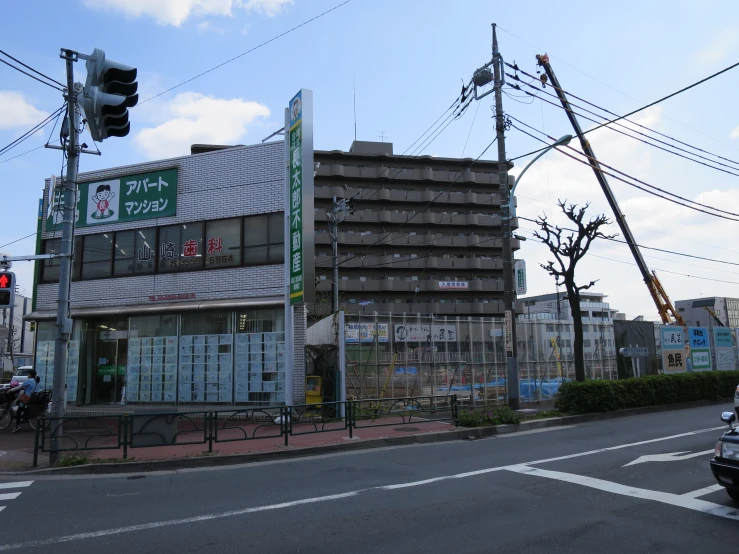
column 725, row 462
column 19, row 375
column 736, row 401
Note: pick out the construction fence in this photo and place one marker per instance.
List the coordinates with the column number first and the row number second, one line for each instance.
column 389, row 356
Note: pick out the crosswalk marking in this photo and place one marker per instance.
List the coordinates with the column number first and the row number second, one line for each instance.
column 16, row 485
column 12, row 495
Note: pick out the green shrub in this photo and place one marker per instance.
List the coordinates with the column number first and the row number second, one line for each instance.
column 69, row 461
column 652, row 390
column 469, row 418
column 502, row 415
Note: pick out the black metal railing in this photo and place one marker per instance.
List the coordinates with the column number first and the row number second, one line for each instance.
column 171, row 429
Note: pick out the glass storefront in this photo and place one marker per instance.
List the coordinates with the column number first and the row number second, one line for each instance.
column 205, row 357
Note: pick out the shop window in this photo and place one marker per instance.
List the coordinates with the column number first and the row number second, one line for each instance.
column 97, row 256
column 256, row 240
column 50, row 268
column 180, row 247
column 125, row 243
column 223, row 243
column 276, row 237
column 145, row 251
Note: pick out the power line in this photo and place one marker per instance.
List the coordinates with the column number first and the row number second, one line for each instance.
column 615, row 114
column 30, row 132
column 538, row 49
column 31, row 76
column 257, row 47
column 558, row 105
column 652, row 192
column 647, row 247
column 18, row 240
column 644, row 107
column 32, row 69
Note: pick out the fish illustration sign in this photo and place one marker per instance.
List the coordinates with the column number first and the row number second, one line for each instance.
column 129, row 198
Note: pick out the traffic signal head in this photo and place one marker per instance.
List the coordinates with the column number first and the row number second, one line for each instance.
column 7, row 289
column 110, row 89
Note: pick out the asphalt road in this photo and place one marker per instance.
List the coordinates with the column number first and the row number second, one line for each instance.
column 638, row 484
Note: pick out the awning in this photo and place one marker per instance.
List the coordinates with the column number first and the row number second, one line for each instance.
column 153, row 309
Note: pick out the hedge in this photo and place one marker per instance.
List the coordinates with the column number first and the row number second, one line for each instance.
column 652, row 390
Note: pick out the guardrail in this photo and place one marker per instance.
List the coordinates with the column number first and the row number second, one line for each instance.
column 124, row 432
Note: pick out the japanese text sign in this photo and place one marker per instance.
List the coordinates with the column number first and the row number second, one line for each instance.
column 722, row 337
column 425, row 333
column 294, row 201
column 698, row 337
column 700, row 348
column 673, row 349
column 365, row 332
column 129, row 198
column 453, row 285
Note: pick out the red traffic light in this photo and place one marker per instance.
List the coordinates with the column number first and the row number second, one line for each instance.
column 6, row 280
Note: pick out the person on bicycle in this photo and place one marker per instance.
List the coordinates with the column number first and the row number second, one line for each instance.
column 27, row 388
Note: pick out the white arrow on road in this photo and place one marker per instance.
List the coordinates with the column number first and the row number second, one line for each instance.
column 668, row 457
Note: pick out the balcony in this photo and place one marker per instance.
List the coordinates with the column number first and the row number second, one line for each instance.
column 398, row 285
column 494, row 308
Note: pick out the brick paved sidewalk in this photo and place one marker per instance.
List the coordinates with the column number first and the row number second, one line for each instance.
column 16, row 449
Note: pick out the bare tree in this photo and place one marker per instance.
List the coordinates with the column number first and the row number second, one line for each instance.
column 568, row 250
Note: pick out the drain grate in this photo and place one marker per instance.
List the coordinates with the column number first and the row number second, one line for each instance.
column 406, row 429
column 136, row 477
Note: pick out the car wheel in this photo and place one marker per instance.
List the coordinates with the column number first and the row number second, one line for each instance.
column 733, row 493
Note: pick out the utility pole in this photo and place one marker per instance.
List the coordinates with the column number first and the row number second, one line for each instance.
column 336, row 216
column 508, row 293
column 63, row 320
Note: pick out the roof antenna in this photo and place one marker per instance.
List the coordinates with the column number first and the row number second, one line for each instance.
column 355, row 109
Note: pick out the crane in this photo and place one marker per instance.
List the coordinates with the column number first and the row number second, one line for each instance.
column 665, row 307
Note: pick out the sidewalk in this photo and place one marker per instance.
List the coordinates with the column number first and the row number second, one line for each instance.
column 16, row 449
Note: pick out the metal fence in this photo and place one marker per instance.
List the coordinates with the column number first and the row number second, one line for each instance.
column 407, row 355
column 123, row 432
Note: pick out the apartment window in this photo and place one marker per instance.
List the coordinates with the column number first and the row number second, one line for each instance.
column 223, row 243
column 97, row 256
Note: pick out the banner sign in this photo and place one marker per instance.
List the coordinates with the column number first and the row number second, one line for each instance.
column 700, row 348
column 519, row 269
column 453, row 285
column 425, row 333
column 130, row 198
column 365, row 332
column 724, row 342
column 294, row 200
column 673, row 349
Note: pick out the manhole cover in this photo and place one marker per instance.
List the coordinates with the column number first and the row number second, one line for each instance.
column 407, row 429
column 136, row 477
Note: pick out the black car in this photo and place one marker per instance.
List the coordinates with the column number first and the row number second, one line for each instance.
column 725, row 463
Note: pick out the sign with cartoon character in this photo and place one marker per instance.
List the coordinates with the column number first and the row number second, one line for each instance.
column 128, row 198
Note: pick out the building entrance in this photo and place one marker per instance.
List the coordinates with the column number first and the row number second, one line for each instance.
column 110, row 360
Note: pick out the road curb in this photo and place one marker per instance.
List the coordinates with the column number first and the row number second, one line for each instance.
column 471, row 433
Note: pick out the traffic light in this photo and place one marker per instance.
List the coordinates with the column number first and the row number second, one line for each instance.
column 110, row 89
column 7, row 289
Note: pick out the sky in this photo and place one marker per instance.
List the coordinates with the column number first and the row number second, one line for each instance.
column 408, row 60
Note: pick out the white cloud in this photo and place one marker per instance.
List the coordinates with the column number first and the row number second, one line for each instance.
column 734, row 133
column 722, row 44
column 16, row 111
column 196, row 118
column 205, row 26
column 176, row 12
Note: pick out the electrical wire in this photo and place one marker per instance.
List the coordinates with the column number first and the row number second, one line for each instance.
column 656, row 190
column 640, row 125
column 559, row 106
column 31, row 76
column 651, row 104
column 257, row 47
column 32, row 69
column 18, row 240
column 30, row 132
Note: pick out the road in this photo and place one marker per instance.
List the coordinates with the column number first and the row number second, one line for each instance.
column 637, row 484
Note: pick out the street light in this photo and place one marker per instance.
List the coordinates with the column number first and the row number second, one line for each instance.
column 562, row 141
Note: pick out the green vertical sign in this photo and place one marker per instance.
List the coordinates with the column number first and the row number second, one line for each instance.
column 129, row 198
column 294, row 200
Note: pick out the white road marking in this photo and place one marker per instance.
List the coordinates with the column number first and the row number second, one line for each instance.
column 533, row 431
column 629, row 445
column 16, row 485
column 9, row 496
column 233, row 513
column 681, row 501
column 703, row 492
column 168, row 523
column 2, row 508
column 668, row 457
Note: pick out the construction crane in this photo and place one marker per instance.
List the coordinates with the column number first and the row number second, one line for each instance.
column 715, row 317
column 667, row 311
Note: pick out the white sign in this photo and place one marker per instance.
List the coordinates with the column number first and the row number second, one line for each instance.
column 365, row 332
column 509, row 331
column 519, row 270
column 453, row 285
column 634, row 352
column 425, row 333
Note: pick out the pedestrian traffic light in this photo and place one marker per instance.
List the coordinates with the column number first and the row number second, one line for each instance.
column 110, row 89
column 7, row 289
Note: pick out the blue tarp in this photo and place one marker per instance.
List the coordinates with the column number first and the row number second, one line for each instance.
column 547, row 387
